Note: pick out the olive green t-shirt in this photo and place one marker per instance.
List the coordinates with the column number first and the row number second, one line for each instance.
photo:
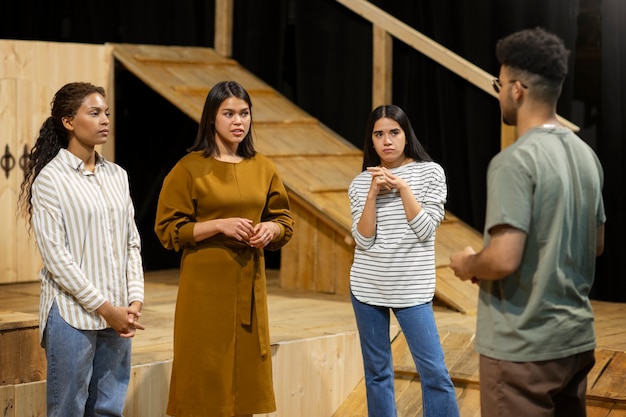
column 549, row 185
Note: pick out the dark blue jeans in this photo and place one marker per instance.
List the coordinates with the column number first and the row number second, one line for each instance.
column 419, row 328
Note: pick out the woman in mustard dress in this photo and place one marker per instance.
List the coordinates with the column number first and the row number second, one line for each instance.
column 222, row 204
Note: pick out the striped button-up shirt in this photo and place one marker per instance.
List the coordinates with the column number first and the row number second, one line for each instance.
column 84, row 224
column 396, row 266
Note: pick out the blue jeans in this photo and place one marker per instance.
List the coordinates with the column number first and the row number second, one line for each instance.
column 419, row 328
column 88, row 370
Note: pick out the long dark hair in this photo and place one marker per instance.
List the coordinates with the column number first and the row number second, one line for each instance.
column 413, row 148
column 53, row 136
column 205, row 139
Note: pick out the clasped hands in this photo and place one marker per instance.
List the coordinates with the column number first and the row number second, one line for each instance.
column 258, row 236
column 382, row 179
column 124, row 320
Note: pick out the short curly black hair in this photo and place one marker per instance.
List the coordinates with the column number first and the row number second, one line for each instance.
column 536, row 51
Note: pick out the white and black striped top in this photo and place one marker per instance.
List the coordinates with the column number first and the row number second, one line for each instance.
column 84, row 224
column 396, row 267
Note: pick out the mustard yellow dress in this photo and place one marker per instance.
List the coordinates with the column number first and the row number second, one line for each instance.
column 222, row 359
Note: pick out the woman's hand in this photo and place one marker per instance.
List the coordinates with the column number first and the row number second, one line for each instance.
column 263, row 234
column 382, row 179
column 121, row 319
column 237, row 227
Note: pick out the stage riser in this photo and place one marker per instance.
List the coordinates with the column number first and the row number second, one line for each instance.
column 22, row 359
column 312, row 378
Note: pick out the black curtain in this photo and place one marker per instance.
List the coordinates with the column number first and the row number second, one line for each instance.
column 318, row 54
column 611, row 147
column 332, row 59
column 458, row 123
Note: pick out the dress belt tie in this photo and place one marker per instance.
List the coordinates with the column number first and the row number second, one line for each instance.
column 250, row 290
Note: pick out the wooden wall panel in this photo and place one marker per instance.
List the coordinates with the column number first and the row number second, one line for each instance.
column 30, row 400
column 48, row 66
column 30, row 73
column 317, row 258
column 22, row 359
column 7, row 400
column 334, row 262
column 297, row 266
column 313, row 377
column 148, row 390
column 9, row 181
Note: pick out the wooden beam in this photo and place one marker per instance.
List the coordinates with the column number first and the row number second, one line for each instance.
column 223, row 41
column 418, row 41
column 423, row 44
column 382, row 67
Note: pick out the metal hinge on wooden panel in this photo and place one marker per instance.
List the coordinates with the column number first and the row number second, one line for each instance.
column 7, row 161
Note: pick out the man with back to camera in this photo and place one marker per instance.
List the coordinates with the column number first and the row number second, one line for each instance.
column 544, row 227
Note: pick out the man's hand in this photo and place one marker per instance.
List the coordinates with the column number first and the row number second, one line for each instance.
column 459, row 262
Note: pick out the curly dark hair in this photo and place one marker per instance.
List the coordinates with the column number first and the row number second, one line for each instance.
column 538, row 53
column 535, row 51
column 205, row 139
column 53, row 136
column 413, row 149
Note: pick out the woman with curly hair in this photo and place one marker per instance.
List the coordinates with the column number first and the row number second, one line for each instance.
column 78, row 205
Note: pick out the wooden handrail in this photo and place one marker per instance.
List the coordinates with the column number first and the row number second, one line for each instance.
column 385, row 26
column 421, row 43
column 384, row 22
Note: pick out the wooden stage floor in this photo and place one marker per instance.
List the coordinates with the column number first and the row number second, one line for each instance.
column 293, row 315
column 298, row 316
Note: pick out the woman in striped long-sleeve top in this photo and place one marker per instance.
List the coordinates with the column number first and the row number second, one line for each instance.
column 397, row 203
column 92, row 286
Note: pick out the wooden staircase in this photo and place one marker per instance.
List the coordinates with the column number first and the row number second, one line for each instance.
column 315, row 163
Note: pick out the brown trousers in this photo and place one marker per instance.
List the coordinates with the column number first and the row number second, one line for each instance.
column 553, row 388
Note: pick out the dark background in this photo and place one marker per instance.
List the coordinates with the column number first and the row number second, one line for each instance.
column 318, row 54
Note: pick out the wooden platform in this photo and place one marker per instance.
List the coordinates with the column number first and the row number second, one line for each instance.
column 317, row 362
column 606, row 391
column 294, row 314
column 315, row 350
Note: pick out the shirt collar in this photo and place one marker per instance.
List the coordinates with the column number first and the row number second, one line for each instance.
column 75, row 162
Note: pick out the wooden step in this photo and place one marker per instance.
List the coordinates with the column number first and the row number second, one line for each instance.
column 606, row 391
